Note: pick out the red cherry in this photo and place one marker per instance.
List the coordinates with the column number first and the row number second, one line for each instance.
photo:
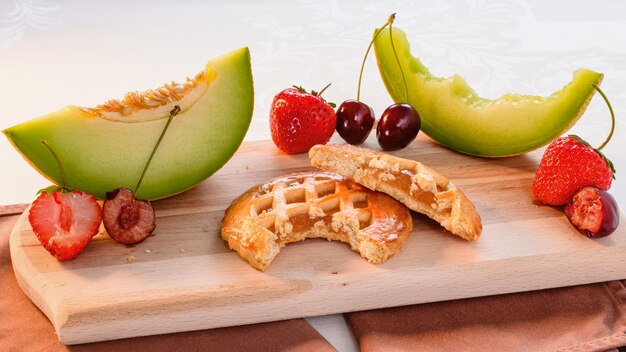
column 354, row 121
column 593, row 212
column 398, row 126
column 127, row 219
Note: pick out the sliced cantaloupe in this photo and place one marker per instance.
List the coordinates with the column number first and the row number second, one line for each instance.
column 107, row 147
column 454, row 115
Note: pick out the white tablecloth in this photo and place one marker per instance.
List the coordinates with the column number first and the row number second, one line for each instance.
column 59, row 52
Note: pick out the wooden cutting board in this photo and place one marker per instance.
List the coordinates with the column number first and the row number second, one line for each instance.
column 185, row 277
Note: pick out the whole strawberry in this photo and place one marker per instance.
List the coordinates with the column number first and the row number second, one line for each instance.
column 300, row 120
column 569, row 164
column 65, row 221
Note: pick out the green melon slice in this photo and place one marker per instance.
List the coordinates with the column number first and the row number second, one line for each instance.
column 107, row 147
column 455, row 116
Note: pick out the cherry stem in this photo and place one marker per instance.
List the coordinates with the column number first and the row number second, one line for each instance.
column 323, row 89
column 612, row 115
column 358, row 90
column 56, row 158
column 173, row 113
column 395, row 53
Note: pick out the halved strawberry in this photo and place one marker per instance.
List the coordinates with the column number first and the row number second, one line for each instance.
column 65, row 222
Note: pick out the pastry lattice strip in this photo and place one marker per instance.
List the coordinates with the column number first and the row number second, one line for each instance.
column 311, row 197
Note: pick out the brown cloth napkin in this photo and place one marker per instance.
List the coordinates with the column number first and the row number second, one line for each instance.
column 23, row 327
column 579, row 318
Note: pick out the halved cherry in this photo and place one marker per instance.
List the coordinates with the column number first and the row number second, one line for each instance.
column 593, row 212
column 127, row 219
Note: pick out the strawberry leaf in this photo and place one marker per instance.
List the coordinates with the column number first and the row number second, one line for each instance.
column 51, row 189
column 302, row 90
column 608, row 162
column 316, row 93
column 579, row 140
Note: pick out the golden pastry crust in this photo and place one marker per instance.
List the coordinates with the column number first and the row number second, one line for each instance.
column 412, row 183
column 314, row 205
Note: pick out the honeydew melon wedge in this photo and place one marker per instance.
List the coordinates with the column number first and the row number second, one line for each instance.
column 107, row 147
column 455, row 116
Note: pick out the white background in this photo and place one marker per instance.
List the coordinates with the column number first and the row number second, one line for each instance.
column 54, row 53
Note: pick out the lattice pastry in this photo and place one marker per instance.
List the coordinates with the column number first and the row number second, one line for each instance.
column 314, row 205
column 412, row 183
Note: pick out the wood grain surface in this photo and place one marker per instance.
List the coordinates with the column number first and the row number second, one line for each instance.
column 184, row 277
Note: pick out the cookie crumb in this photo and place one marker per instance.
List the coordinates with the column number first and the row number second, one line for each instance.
column 182, row 250
column 130, row 259
column 147, row 251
